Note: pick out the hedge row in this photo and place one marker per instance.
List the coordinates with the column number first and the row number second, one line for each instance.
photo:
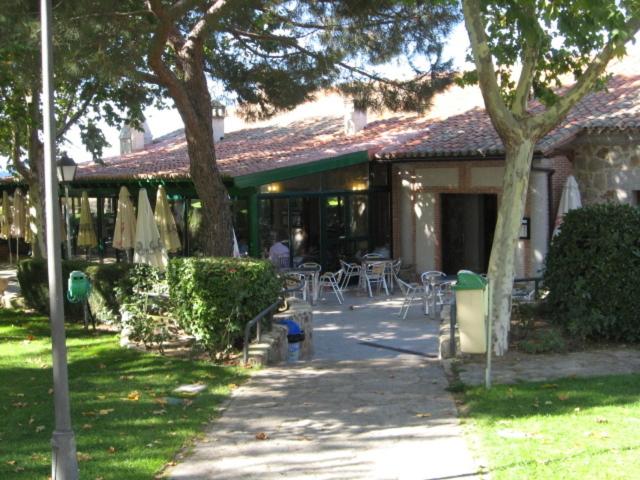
column 593, row 273
column 105, row 278
column 214, row 298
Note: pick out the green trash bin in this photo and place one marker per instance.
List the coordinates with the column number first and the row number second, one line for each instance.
column 471, row 308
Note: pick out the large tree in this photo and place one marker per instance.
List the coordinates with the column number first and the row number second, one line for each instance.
column 547, row 41
column 93, row 81
column 272, row 55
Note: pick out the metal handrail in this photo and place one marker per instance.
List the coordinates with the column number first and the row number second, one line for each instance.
column 256, row 320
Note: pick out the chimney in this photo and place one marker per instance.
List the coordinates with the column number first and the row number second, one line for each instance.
column 218, row 113
column 132, row 139
column 355, row 117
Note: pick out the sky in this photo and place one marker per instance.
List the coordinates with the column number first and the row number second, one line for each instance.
column 164, row 121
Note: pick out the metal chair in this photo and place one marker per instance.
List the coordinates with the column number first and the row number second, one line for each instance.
column 430, row 281
column 371, row 256
column 332, row 280
column 293, row 280
column 412, row 292
column 375, row 273
column 350, row 270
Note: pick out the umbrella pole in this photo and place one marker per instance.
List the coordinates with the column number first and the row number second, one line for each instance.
column 17, row 251
column 10, row 256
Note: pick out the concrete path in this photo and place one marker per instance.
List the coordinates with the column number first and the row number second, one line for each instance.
column 356, row 411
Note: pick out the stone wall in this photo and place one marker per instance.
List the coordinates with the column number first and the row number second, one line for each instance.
column 607, row 167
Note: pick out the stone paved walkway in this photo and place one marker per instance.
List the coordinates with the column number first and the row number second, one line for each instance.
column 355, row 412
column 517, row 367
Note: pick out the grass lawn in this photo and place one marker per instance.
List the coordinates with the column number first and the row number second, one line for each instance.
column 569, row 429
column 125, row 428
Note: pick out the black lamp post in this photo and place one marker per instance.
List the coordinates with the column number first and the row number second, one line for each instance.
column 66, row 168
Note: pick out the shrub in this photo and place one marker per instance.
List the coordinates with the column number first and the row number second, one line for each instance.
column 214, row 298
column 593, row 273
column 105, row 278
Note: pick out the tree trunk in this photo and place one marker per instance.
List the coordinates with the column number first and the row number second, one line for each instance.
column 197, row 117
column 38, row 246
column 502, row 262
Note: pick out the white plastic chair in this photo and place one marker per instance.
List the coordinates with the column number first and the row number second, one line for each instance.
column 350, row 270
column 332, row 281
column 375, row 273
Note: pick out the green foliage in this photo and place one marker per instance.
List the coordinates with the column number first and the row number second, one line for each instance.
column 543, row 341
column 144, row 307
column 105, row 279
column 558, row 38
column 593, row 273
column 213, row 298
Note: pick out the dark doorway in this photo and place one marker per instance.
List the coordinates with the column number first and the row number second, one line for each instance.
column 468, row 224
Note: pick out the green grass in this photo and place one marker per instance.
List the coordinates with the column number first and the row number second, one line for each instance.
column 568, row 429
column 124, row 427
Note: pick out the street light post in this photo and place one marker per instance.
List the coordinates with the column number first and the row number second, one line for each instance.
column 66, row 168
column 64, row 464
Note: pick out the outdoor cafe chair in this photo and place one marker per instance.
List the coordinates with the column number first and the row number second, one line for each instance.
column 332, row 281
column 430, row 281
column 293, row 281
column 412, row 292
column 375, row 274
column 350, row 270
column 371, row 256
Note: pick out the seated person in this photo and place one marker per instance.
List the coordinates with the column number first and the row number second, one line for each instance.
column 279, row 254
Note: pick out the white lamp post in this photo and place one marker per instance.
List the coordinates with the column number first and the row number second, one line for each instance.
column 66, row 168
column 64, row 462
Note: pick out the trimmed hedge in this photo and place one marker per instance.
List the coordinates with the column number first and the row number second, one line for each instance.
column 214, row 298
column 593, row 273
column 105, row 278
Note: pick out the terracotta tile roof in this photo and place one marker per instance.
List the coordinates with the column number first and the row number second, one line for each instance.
column 471, row 132
column 458, row 126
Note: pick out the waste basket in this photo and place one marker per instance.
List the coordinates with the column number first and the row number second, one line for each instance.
column 295, row 335
column 471, row 308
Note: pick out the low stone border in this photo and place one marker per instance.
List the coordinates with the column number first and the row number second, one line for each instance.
column 273, row 348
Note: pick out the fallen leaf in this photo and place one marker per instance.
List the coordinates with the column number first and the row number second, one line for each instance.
column 577, row 409
column 601, row 420
column 423, row 415
column 111, row 449
column 87, row 426
column 105, row 411
column 39, row 428
column 102, row 366
column 83, row 457
column 10, row 462
column 50, row 391
column 171, row 464
column 90, row 413
column 101, row 397
column 162, row 411
column 232, row 386
column 31, row 420
column 563, row 397
column 30, row 338
column 510, row 393
column 134, row 396
column 262, row 436
column 126, row 377
column 18, row 469
column 20, row 404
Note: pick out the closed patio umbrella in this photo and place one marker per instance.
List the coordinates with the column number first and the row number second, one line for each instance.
column 86, row 233
column 18, row 225
column 124, row 234
column 148, row 247
column 5, row 226
column 569, row 200
column 166, row 223
column 30, row 225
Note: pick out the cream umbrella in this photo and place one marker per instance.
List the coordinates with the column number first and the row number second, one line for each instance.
column 5, row 226
column 569, row 200
column 124, row 234
column 86, row 233
column 148, row 247
column 18, row 226
column 166, row 223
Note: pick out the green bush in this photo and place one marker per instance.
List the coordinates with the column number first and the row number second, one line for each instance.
column 105, row 278
column 593, row 273
column 214, row 298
